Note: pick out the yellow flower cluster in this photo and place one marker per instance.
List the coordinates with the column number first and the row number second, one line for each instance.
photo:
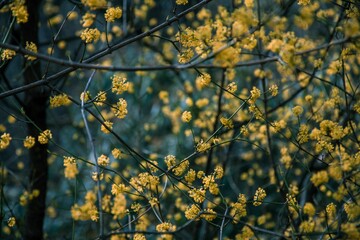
column 116, row 153
column 94, row 4
column 203, row 80
column 120, row 110
column 26, row 196
column 59, row 100
column 197, row 194
column 181, row 168
column 192, row 212
column 181, row 2
column 291, row 200
column 119, row 84
column 144, row 181
column 209, row 183
column 118, row 188
column 331, row 210
column 11, row 222
column 255, row 93
column 103, row 160
column 109, row 125
column 319, row 178
column 45, row 136
column 274, row 90
column 100, row 98
column 87, row 211
column 5, row 140
column 31, row 47
column 202, row 146
column 119, row 209
column 259, row 196
column 190, row 176
column 309, row 209
column 186, row 116
column 228, row 123
column 29, row 142
column 352, row 210
column 87, row 19
column 7, row 54
column 90, row 35
column 307, row 226
column 19, row 11
column 70, row 170
column 351, row 230
column 303, row 2
column 165, row 227
column 113, row 13
column 170, row 161
column 238, row 209
column 297, row 110
column 303, row 134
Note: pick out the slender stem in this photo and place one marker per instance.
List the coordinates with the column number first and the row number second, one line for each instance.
column 92, row 145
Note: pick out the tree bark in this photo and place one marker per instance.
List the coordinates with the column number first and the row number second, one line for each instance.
column 35, row 109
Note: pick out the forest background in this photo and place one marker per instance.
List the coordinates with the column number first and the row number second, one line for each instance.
column 179, row 119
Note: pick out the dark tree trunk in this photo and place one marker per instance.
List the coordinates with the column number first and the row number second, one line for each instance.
column 35, row 109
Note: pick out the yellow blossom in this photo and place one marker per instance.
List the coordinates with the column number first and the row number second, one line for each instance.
column 219, row 172
column 309, row 209
column 119, row 84
column 181, row 168
column 30, row 46
column 120, row 109
column 118, row 188
column 100, row 98
column 103, row 160
column 94, row 4
column 116, row 153
column 255, row 94
column 352, row 210
column 181, row 2
column 7, row 54
column 208, row 214
column 259, row 196
column 197, row 194
column 307, row 226
column 45, row 136
column 186, row 116
column 190, row 176
column 108, row 124
column 5, row 140
column 228, row 123
column 165, row 227
column 153, row 201
column 59, row 100
column 29, row 142
column 319, row 178
column 170, row 161
column 238, row 209
column 112, row 14
column 11, row 222
column 90, row 35
column 203, row 80
column 331, row 210
column 274, row 90
column 351, row 230
column 192, row 212
column 297, row 110
column 202, row 146
column 19, row 11
column 303, row 2
column 87, row 19
column 70, row 170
